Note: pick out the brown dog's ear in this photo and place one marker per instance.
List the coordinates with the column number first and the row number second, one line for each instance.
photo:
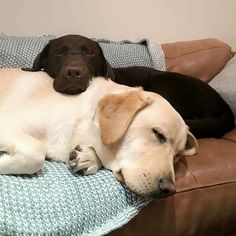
column 40, row 61
column 109, row 73
column 191, row 145
column 116, row 111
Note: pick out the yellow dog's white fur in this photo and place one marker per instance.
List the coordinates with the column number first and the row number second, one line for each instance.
column 36, row 121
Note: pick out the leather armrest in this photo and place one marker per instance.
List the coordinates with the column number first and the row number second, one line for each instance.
column 202, row 59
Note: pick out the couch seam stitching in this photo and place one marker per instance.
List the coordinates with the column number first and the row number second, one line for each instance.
column 203, row 187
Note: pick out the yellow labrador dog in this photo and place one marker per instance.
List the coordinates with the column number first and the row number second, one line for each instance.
column 135, row 134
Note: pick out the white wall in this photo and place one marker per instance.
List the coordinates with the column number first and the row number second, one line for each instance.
column 162, row 20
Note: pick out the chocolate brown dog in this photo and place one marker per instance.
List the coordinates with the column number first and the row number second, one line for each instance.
column 73, row 60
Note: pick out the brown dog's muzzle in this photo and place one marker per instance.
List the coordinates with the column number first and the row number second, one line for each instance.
column 73, row 73
column 73, row 77
column 63, row 86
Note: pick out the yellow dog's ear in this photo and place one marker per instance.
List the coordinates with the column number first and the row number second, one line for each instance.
column 116, row 111
column 191, row 145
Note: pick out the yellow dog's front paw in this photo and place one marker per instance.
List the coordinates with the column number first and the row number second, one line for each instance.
column 84, row 159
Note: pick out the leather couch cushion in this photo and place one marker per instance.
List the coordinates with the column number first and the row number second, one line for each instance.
column 211, row 166
column 205, row 200
column 199, row 58
column 231, row 135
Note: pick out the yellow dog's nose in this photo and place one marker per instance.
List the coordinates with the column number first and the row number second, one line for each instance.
column 165, row 187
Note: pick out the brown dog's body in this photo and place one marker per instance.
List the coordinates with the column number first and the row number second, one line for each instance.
column 136, row 134
column 74, row 60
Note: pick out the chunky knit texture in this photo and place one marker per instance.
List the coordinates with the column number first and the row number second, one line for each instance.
column 134, row 52
column 55, row 201
column 20, row 51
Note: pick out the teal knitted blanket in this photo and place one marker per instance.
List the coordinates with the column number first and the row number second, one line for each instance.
column 56, row 202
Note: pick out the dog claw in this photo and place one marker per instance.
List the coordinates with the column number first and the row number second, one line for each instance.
column 78, row 148
column 73, row 155
column 73, row 165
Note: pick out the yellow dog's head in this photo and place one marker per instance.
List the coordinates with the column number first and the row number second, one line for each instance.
column 146, row 136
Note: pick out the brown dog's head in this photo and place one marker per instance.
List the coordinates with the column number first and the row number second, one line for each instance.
column 72, row 60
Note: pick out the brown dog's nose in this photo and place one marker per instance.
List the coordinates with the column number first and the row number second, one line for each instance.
column 166, row 187
column 72, row 72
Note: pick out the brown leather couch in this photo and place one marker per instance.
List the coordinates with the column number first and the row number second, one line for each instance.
column 205, row 202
